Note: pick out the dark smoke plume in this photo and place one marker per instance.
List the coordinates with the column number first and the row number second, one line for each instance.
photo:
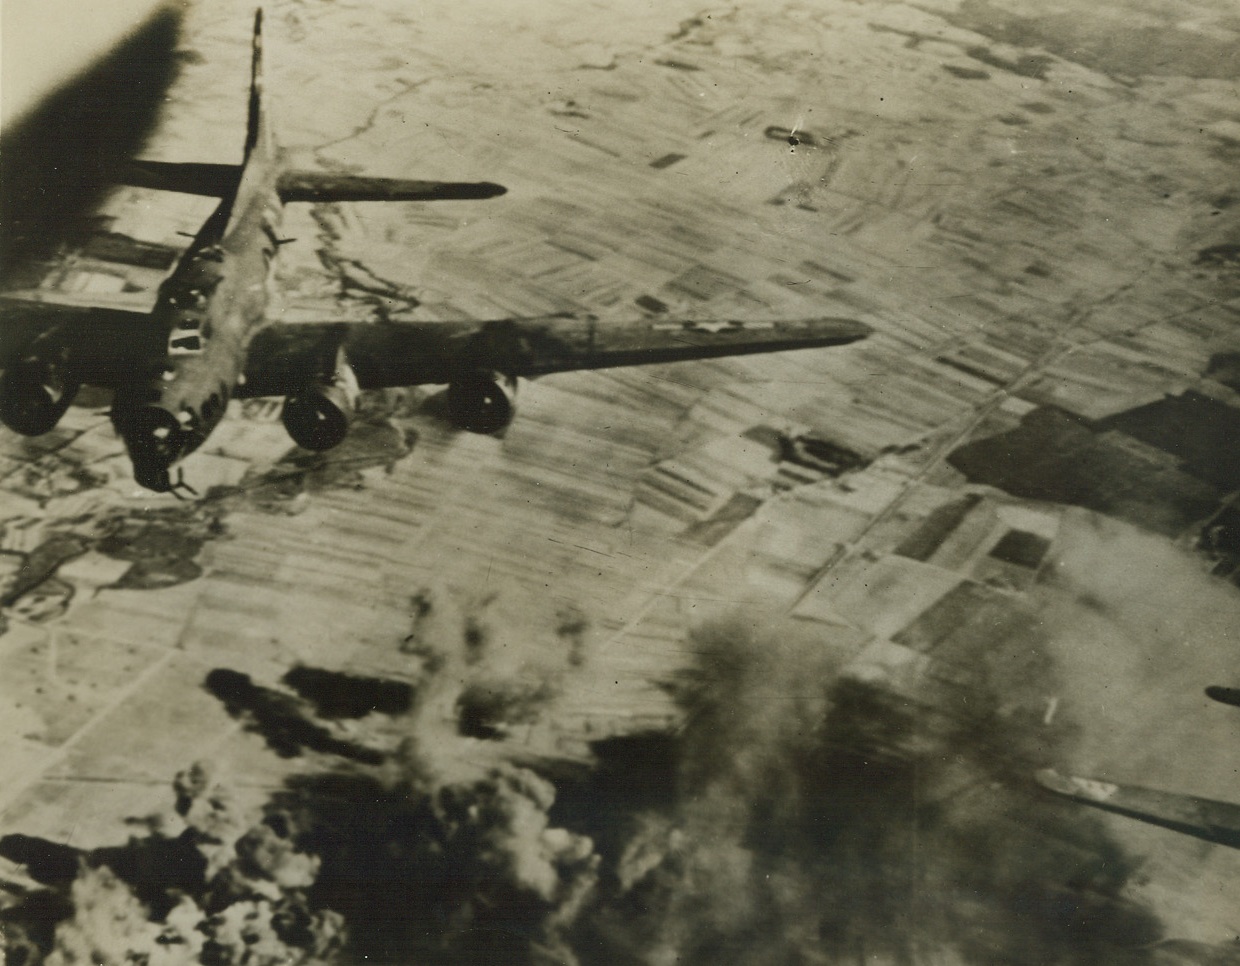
column 370, row 857
column 817, row 819
column 798, row 816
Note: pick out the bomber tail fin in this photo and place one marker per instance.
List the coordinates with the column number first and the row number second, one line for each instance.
column 257, row 131
column 210, row 179
column 325, row 187
column 1201, row 818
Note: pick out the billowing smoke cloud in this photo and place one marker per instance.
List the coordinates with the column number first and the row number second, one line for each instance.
column 224, row 890
column 109, row 924
column 1137, row 644
column 484, row 673
column 469, row 872
column 798, row 815
column 372, row 857
column 818, row 819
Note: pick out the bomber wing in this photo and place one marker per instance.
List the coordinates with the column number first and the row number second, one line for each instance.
column 104, row 345
column 386, row 354
column 1199, row 817
column 92, row 301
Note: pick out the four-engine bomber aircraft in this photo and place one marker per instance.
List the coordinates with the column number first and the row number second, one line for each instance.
column 207, row 339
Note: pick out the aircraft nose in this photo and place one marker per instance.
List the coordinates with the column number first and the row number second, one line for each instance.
column 152, row 477
column 155, row 441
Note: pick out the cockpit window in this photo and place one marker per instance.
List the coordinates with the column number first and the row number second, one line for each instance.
column 184, row 345
column 187, row 298
column 188, row 293
column 194, row 298
column 187, row 336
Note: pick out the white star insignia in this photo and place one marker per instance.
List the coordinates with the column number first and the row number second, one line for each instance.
column 714, row 327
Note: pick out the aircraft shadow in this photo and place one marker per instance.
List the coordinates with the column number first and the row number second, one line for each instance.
column 336, row 694
column 280, row 719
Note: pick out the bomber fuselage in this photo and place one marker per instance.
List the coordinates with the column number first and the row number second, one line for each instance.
column 210, row 307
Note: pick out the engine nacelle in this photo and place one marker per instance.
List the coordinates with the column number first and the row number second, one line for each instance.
column 37, row 389
column 482, row 402
column 319, row 418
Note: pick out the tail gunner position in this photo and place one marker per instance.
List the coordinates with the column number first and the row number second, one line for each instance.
column 172, row 371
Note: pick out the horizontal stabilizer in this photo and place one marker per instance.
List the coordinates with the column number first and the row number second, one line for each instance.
column 1224, row 695
column 211, row 180
column 1201, row 818
column 324, row 186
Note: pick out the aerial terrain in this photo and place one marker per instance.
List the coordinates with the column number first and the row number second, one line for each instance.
column 742, row 661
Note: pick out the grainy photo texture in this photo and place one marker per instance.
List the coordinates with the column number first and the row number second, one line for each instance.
column 620, row 483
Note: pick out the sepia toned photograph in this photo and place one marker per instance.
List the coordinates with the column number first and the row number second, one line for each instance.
column 620, row 483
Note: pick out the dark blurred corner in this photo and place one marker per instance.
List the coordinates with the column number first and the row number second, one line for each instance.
column 60, row 158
